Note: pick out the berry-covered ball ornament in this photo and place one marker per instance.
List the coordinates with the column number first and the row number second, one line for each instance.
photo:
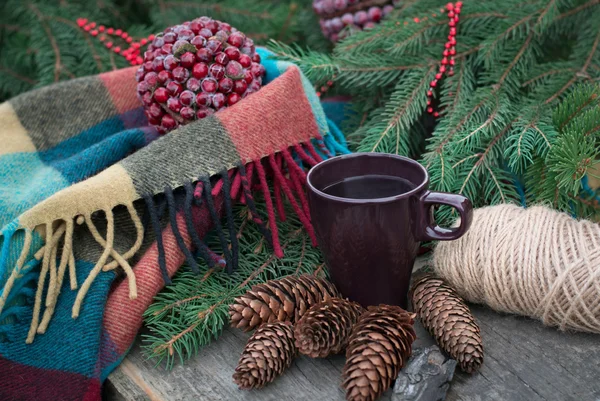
column 194, row 69
column 340, row 17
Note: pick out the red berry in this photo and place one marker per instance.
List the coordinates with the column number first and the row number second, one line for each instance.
column 117, row 50
column 139, row 60
column 204, row 55
column 433, row 83
column 217, row 71
column 180, row 74
column 203, row 99
column 174, row 88
column 442, row 68
column 151, row 78
column 193, row 84
column 429, row 93
column 94, row 32
column 245, row 61
column 451, row 14
column 168, row 122
column 452, row 62
column 170, row 62
column 151, row 37
column 124, row 35
column 196, row 25
column 257, row 70
column 449, row 6
column 170, row 38
column 235, row 70
column 453, row 41
column 452, row 52
column 438, row 75
column 375, row 14
column 205, row 33
column 200, row 70
column 436, row 114
column 248, row 77
column 164, row 76
column 204, row 112
column 209, row 85
column 188, row 59
column 81, row 21
column 143, row 41
column 198, row 41
column 214, row 45
column 158, row 64
column 453, row 31
column 225, row 85
column 240, row 87
column 108, row 45
column 174, row 104
column 445, row 53
column 148, row 66
column 256, row 58
column 430, row 109
column 188, row 113
column 187, row 98
column 233, row 98
column 233, row 53
column 139, row 74
column 161, row 95
column 452, row 23
column 118, row 32
column 147, row 98
column 221, row 58
column 218, row 100
column 155, row 110
column 110, row 31
column 447, row 45
column 444, row 61
column 236, row 39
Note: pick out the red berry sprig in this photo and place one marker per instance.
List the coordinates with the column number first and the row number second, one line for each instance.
column 447, row 63
column 117, row 40
column 325, row 87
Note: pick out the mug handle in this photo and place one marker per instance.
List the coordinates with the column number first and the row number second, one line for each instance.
column 427, row 230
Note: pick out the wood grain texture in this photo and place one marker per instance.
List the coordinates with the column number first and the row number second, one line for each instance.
column 524, row 361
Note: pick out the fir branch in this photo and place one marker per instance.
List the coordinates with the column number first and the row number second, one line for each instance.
column 52, row 39
column 17, row 76
column 191, row 312
column 583, row 70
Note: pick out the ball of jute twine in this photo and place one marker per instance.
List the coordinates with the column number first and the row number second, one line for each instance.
column 535, row 262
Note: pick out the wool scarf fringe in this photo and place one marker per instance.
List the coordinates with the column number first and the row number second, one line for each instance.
column 286, row 170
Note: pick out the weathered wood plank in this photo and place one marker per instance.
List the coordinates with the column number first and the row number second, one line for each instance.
column 524, row 361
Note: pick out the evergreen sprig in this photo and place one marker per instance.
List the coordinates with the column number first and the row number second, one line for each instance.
column 496, row 136
column 193, row 311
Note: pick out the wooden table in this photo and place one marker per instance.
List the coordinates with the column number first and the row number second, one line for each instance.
column 524, row 361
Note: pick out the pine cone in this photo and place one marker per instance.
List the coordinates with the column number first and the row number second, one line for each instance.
column 281, row 300
column 325, row 328
column 446, row 316
column 380, row 345
column 267, row 354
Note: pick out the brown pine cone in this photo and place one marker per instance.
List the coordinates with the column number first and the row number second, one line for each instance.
column 267, row 354
column 325, row 328
column 281, row 300
column 380, row 345
column 448, row 319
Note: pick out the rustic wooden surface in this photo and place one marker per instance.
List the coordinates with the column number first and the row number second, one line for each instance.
column 524, row 361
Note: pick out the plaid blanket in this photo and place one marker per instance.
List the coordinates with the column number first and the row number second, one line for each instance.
column 98, row 212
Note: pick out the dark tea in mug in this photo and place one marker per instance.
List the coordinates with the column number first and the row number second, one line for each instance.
column 369, row 187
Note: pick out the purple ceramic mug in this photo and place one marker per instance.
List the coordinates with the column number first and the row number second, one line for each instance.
column 370, row 242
